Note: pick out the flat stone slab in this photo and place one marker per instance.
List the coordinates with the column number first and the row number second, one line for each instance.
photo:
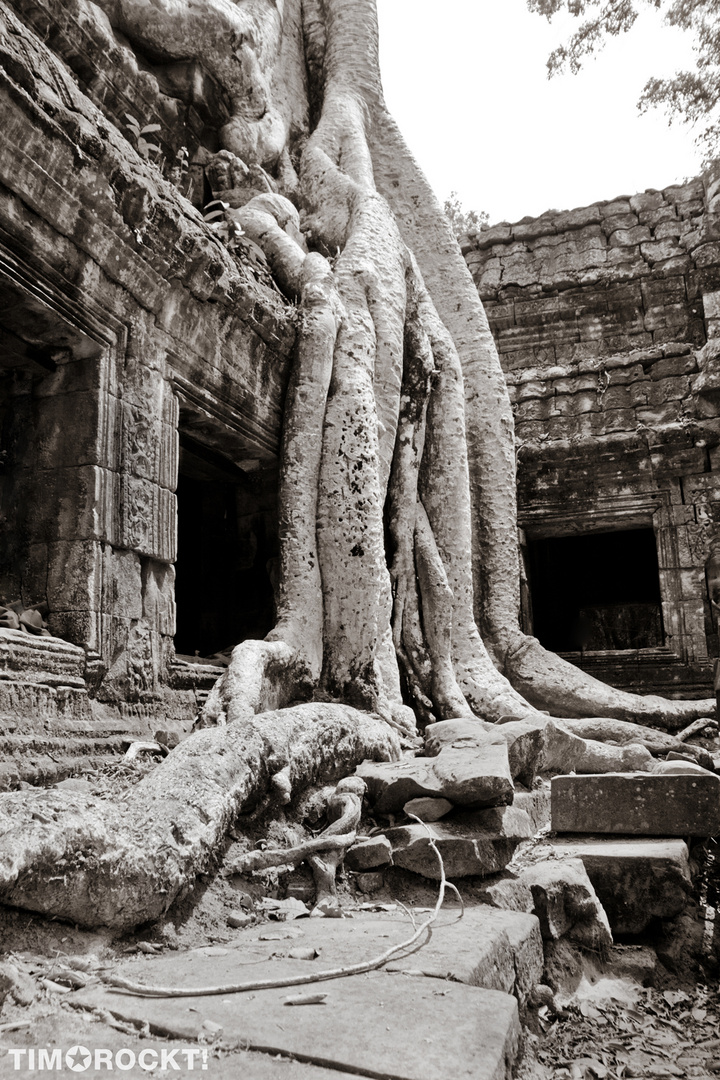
column 496, row 950
column 469, row 776
column 377, row 1024
column 635, row 880
column 640, row 804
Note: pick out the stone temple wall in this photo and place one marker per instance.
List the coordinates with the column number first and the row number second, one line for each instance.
column 607, row 323
column 135, row 353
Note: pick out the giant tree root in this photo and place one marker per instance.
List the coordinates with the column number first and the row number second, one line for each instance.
column 549, row 682
column 623, row 733
column 119, row 864
column 323, row 853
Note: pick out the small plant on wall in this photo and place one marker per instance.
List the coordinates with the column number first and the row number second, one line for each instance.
column 217, row 215
column 146, row 149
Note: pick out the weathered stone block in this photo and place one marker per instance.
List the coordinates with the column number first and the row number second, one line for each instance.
column 536, row 805
column 566, row 903
column 635, row 880
column 630, row 237
column 655, row 250
column 612, row 209
column 619, row 221
column 56, row 445
column 641, row 804
column 646, row 201
column 369, row 854
column 74, row 575
column 463, row 855
column 473, row 776
column 525, row 742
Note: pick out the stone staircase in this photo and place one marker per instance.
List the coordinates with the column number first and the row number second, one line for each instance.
column 594, row 842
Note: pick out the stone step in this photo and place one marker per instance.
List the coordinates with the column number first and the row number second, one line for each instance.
column 377, row 1024
column 495, row 950
column 637, row 804
column 471, row 843
column 42, row 770
column 636, row 880
column 13, row 746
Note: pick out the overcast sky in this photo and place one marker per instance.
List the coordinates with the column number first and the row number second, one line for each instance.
column 466, row 81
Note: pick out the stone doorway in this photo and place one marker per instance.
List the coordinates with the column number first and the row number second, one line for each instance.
column 227, row 552
column 597, row 592
column 52, row 439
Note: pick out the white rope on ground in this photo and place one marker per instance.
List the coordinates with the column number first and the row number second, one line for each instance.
column 296, row 980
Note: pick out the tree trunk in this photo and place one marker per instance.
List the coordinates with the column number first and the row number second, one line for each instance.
column 399, row 567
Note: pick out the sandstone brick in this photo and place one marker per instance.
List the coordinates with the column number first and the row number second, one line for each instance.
column 576, row 219
column 480, row 778
column 655, row 250
column 707, row 254
column 467, row 851
column 658, row 415
column 646, row 201
column 534, row 409
column 669, row 389
column 612, row 209
column 677, row 264
column 619, row 221
column 533, row 389
column 575, row 384
column 617, row 397
column 494, row 235
column 625, row 256
column 629, row 237
column 613, row 420
column 672, row 228
column 665, row 317
column 642, row 804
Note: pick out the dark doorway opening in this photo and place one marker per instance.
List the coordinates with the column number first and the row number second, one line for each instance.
column 597, row 592
column 227, row 551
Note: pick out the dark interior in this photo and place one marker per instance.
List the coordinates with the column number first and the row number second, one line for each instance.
column 227, row 549
column 596, row 592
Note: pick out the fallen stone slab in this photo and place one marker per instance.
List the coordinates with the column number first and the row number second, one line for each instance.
column 635, row 880
column 378, row 1024
column 493, row 949
column 486, row 948
column 471, row 844
column 525, row 741
column 471, row 777
column 368, row 855
column 640, row 804
column 566, row 903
